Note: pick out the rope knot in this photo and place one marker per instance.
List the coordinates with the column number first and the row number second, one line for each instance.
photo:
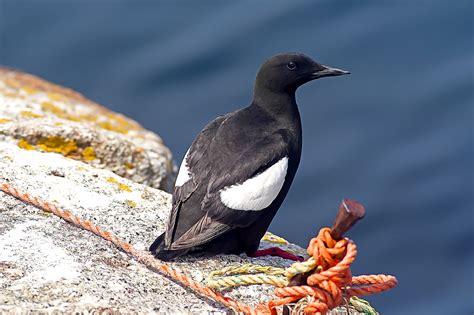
column 326, row 272
column 329, row 276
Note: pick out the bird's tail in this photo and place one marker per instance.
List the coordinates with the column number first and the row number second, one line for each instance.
column 159, row 251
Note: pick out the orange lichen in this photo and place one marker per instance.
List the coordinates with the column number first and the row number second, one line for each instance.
column 28, row 114
column 128, row 165
column 24, row 144
column 58, row 145
column 89, row 154
column 120, row 186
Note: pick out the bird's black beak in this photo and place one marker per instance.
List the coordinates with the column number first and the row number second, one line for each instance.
column 325, row 71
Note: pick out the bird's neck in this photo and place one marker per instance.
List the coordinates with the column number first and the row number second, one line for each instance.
column 277, row 104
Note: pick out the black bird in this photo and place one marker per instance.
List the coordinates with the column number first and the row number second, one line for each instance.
column 239, row 168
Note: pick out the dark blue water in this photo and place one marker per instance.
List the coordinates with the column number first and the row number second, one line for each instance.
column 396, row 134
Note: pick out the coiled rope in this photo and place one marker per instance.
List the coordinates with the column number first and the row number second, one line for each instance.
column 329, row 279
column 325, row 284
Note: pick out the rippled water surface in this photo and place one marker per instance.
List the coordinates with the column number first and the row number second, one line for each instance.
column 396, row 134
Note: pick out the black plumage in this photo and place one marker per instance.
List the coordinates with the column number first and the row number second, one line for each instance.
column 233, row 149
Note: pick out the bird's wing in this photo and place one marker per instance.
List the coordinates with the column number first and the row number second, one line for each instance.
column 204, row 230
column 238, row 189
column 185, row 183
column 237, row 195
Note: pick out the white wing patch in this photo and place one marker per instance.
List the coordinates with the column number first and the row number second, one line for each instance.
column 183, row 174
column 258, row 192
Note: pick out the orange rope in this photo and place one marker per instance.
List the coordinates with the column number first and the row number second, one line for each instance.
column 326, row 286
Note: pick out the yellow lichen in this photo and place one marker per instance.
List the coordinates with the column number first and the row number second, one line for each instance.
column 4, row 120
column 51, row 108
column 55, row 96
column 118, row 123
column 123, row 187
column 88, row 117
column 71, row 117
column 132, row 204
column 24, row 144
column 29, row 90
column 120, row 186
column 123, row 122
column 89, row 154
column 112, row 180
column 128, row 165
column 112, row 127
column 12, row 83
column 57, row 144
column 11, row 94
column 28, row 114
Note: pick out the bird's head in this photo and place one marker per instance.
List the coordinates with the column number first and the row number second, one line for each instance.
column 284, row 73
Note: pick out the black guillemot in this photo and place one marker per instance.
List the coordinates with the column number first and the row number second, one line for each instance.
column 238, row 170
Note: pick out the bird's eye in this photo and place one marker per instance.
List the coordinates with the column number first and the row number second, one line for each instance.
column 291, row 65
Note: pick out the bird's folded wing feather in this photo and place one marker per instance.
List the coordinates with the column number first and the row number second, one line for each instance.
column 185, row 183
column 224, row 172
column 219, row 217
column 237, row 195
column 204, row 230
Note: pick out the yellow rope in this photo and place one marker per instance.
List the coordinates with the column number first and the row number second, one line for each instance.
column 248, row 274
column 270, row 237
column 300, row 267
column 275, row 239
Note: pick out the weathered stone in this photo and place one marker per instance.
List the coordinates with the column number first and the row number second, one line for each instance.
column 39, row 115
column 57, row 145
column 47, row 264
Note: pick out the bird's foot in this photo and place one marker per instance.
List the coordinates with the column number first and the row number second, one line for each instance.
column 275, row 251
